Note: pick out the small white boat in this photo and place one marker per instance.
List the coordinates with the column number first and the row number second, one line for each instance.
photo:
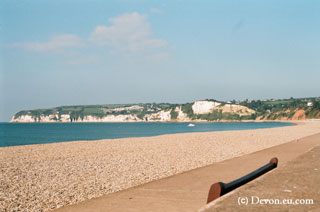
column 191, row 125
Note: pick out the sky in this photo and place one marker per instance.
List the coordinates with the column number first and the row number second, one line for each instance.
column 72, row 52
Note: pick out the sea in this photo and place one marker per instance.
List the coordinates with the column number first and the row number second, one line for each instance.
column 14, row 134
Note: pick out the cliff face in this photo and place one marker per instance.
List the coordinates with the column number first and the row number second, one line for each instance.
column 294, row 115
column 205, row 107
column 162, row 116
column 129, row 113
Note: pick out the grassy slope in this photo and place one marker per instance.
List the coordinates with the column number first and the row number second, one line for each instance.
column 285, row 108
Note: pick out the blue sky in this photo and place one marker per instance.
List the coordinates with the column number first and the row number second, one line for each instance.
column 130, row 51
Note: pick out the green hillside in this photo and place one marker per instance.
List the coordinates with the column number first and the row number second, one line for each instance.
column 280, row 109
column 284, row 108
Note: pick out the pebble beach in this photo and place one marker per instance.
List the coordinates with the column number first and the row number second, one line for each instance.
column 48, row 176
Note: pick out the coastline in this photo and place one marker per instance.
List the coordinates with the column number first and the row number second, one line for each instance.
column 49, row 176
column 94, row 131
column 172, row 121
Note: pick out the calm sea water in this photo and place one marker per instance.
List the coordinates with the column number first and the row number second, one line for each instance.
column 13, row 134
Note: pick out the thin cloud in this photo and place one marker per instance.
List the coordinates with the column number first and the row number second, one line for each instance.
column 155, row 10
column 56, row 43
column 129, row 33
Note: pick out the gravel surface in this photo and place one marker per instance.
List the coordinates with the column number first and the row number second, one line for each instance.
column 48, row 176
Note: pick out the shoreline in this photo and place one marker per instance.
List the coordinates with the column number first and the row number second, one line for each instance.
column 49, row 176
column 190, row 121
column 292, row 122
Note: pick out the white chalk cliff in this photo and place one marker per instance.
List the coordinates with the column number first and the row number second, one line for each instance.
column 153, row 114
